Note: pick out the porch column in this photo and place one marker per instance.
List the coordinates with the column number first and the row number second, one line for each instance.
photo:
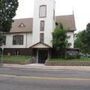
column 48, row 54
column 37, row 56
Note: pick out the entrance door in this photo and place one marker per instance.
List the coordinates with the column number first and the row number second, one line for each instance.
column 42, row 56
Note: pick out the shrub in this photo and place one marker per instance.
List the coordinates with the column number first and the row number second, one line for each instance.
column 69, row 56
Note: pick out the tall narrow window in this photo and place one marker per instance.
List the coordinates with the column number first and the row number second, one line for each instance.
column 43, row 11
column 4, row 40
column 53, row 14
column 18, row 40
column 42, row 25
column 42, row 37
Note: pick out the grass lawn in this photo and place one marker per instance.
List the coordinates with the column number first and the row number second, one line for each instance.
column 16, row 59
column 71, row 62
column 66, row 60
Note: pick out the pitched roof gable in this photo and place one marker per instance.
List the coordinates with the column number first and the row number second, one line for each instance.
column 68, row 22
column 40, row 45
column 27, row 22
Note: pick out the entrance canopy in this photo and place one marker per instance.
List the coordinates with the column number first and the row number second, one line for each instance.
column 40, row 45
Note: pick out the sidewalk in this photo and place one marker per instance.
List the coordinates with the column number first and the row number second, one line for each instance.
column 42, row 66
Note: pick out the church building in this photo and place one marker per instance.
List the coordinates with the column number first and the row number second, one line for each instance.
column 33, row 36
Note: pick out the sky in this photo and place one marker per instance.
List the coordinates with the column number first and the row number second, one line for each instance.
column 80, row 9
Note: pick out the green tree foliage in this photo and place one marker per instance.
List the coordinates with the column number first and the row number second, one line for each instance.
column 78, row 42
column 7, row 12
column 83, row 40
column 1, row 39
column 88, row 37
column 59, row 39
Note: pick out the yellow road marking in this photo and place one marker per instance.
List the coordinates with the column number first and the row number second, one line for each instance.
column 42, row 78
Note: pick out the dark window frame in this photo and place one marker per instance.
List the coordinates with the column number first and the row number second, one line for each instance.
column 4, row 40
column 45, row 11
column 42, row 25
column 18, row 39
column 42, row 37
column 54, row 14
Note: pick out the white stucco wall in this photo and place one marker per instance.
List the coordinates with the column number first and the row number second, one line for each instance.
column 27, row 40
column 49, row 26
column 71, row 39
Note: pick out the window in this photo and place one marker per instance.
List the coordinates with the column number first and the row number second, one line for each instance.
column 68, row 37
column 21, row 25
column 4, row 40
column 42, row 37
column 69, row 44
column 18, row 40
column 42, row 25
column 43, row 11
column 53, row 14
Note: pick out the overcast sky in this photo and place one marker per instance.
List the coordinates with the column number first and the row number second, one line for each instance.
column 81, row 9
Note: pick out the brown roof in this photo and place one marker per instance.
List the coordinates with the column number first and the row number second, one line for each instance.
column 22, row 25
column 26, row 24
column 67, row 21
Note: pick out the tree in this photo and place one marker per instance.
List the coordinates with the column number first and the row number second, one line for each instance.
column 83, row 40
column 1, row 39
column 88, row 38
column 7, row 12
column 78, row 42
column 59, row 39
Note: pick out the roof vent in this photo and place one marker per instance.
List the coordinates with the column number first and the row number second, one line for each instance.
column 21, row 25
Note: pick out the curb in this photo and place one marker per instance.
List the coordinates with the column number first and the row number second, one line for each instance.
column 36, row 66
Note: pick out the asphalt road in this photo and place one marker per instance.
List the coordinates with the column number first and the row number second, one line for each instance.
column 36, row 79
